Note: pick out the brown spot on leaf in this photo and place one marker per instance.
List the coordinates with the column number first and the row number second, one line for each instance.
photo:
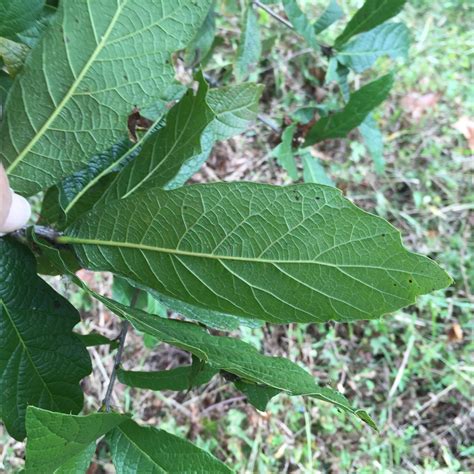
column 137, row 122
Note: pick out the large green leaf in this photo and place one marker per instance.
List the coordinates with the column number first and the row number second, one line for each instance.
column 41, row 360
column 372, row 14
column 60, row 443
column 137, row 449
column 389, row 39
column 179, row 379
column 18, row 15
column 109, row 57
column 361, row 103
column 192, row 128
column 235, row 357
column 250, row 45
column 281, row 254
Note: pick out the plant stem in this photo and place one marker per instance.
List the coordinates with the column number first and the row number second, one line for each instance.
column 118, row 356
column 273, row 14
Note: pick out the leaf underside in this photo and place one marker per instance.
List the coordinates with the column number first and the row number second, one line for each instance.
column 281, row 254
column 107, row 60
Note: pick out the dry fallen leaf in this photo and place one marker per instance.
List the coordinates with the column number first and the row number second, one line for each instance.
column 465, row 125
column 455, row 333
column 417, row 104
column 5, row 195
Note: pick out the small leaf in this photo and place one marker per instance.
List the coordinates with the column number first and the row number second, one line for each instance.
column 372, row 14
column 140, row 449
column 257, row 395
column 201, row 46
column 108, row 61
column 281, row 254
column 300, row 22
column 332, row 13
column 313, row 171
column 13, row 55
column 361, row 103
column 96, row 339
column 41, row 360
column 178, row 379
column 213, row 319
column 60, row 443
column 169, row 157
column 389, row 39
column 250, row 45
column 284, row 152
column 373, row 139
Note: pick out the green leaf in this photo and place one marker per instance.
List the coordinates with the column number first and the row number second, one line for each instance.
column 13, row 55
column 18, row 15
column 213, row 319
column 373, row 139
column 361, row 103
column 41, row 360
column 79, row 192
column 284, row 152
column 178, row 379
column 300, row 22
column 201, row 46
column 389, row 39
column 281, row 254
column 313, row 171
column 257, row 395
column 234, row 356
column 192, row 127
column 372, row 14
column 59, row 443
column 5, row 85
column 33, row 33
column 96, row 339
column 332, row 13
column 250, row 45
column 107, row 60
column 137, row 449
column 227, row 354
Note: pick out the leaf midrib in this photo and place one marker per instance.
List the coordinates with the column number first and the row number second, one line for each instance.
column 70, row 92
column 65, row 239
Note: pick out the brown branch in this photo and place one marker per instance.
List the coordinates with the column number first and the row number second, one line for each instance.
column 275, row 15
column 118, row 356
